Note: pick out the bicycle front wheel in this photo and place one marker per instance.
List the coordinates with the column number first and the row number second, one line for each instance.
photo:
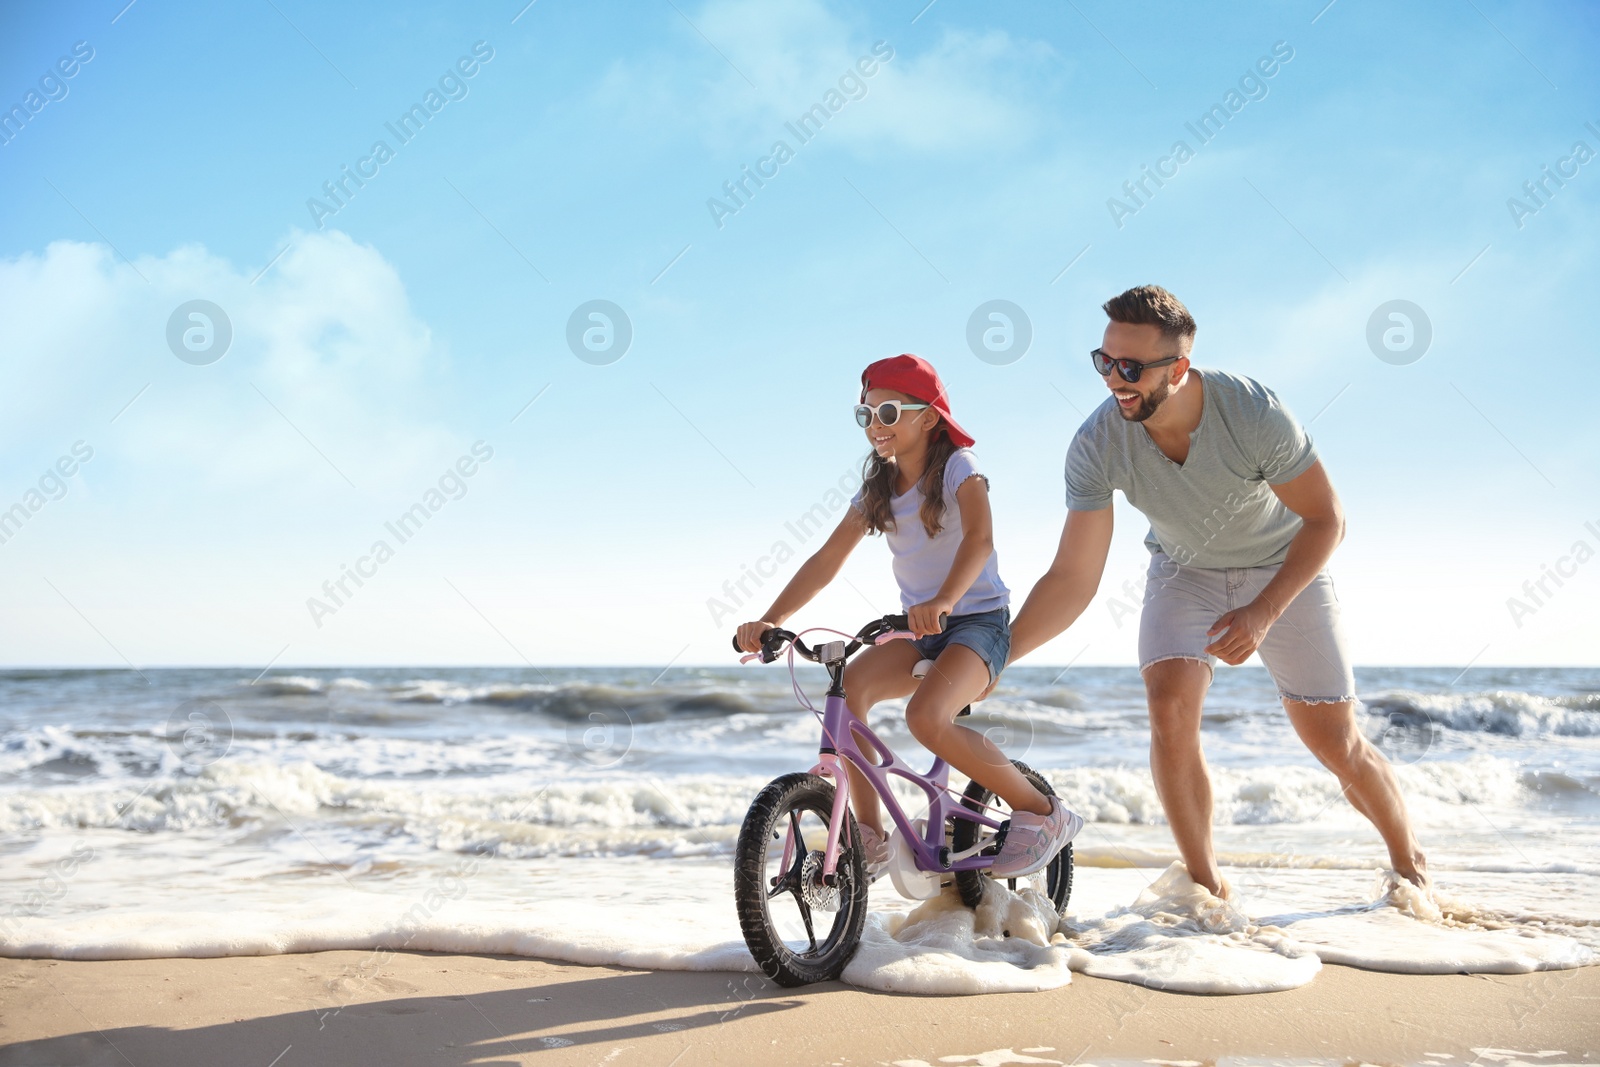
column 799, row 928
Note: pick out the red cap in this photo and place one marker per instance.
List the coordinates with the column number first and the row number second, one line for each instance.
column 915, row 377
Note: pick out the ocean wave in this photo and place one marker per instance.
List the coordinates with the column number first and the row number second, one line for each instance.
column 1507, row 712
column 289, row 686
column 1057, row 697
column 443, row 812
column 294, row 685
column 580, row 701
column 1504, row 712
column 650, row 814
column 1559, row 786
column 53, row 753
column 1295, row 794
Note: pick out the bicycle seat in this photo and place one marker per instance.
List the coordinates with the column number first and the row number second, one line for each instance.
column 923, row 666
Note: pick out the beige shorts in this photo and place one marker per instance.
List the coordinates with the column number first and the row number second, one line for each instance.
column 1304, row 650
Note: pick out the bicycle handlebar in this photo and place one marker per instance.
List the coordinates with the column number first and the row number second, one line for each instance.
column 878, row 631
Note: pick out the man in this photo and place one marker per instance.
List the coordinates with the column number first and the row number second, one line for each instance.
column 1243, row 520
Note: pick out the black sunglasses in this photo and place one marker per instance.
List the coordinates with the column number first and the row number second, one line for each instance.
column 1128, row 369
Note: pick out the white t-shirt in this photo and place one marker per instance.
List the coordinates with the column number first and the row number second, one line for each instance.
column 921, row 564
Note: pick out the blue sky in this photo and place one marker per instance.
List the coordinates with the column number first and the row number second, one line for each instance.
column 374, row 345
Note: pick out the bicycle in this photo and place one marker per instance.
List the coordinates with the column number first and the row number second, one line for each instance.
column 832, row 880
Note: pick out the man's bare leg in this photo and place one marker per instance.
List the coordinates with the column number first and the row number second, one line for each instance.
column 1176, row 689
column 1368, row 780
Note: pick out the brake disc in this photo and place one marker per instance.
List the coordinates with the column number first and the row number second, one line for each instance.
column 818, row 896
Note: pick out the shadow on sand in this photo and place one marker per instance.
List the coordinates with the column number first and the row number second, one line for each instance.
column 483, row 1028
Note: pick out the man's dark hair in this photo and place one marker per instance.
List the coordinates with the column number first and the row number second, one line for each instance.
column 1151, row 305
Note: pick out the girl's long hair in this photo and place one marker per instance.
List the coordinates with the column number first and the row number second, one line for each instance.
column 877, row 487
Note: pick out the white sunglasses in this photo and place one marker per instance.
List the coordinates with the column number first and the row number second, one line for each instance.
column 888, row 412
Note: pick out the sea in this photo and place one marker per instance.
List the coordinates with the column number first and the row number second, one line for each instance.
column 590, row 814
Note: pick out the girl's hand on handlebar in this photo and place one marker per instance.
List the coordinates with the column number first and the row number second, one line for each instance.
column 750, row 634
column 925, row 618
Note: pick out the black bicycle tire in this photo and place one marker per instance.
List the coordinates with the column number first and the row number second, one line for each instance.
column 775, row 959
column 1058, row 872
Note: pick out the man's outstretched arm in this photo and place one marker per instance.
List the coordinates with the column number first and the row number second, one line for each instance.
column 1059, row 597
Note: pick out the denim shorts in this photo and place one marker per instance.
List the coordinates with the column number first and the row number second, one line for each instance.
column 1304, row 650
column 988, row 633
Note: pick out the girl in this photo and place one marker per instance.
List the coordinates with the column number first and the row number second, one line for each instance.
column 921, row 488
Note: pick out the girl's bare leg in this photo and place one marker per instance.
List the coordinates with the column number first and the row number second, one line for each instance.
column 880, row 673
column 957, row 678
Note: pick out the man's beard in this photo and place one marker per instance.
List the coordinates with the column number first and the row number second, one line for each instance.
column 1148, row 404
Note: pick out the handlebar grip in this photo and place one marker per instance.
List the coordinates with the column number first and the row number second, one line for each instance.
column 770, row 645
column 903, row 622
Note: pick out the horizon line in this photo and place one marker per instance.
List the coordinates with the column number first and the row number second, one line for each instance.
column 4, row 668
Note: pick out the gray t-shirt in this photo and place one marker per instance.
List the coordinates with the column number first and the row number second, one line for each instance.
column 922, row 564
column 1215, row 510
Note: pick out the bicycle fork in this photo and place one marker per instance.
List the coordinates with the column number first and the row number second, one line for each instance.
column 834, row 726
column 833, row 766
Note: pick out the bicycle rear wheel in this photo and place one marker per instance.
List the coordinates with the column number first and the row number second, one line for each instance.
column 1058, row 872
column 799, row 929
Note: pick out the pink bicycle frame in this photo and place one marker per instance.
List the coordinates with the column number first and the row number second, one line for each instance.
column 842, row 734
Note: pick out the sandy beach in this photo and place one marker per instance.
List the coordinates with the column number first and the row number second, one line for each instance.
column 474, row 478
column 436, row 1009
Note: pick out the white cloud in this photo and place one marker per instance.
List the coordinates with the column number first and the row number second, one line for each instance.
column 204, row 519
column 327, row 335
column 965, row 89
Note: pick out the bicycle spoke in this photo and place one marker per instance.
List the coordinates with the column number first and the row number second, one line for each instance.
column 805, row 916
column 793, row 875
column 799, row 838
